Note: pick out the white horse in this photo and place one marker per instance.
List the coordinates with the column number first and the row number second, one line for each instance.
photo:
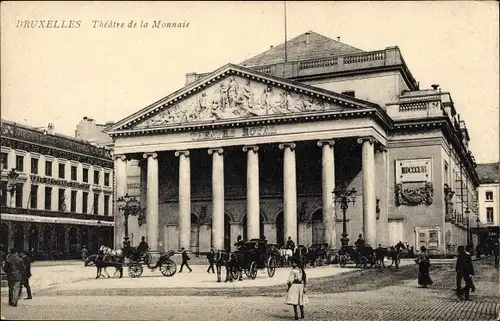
column 286, row 256
column 107, row 251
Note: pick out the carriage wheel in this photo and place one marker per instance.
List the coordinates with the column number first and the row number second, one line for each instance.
column 168, row 268
column 271, row 267
column 253, row 270
column 342, row 261
column 135, row 270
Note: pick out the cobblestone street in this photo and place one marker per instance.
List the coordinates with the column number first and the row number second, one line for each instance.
column 401, row 301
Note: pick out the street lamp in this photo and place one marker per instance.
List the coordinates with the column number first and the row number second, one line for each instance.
column 344, row 196
column 469, row 238
column 129, row 205
column 11, row 183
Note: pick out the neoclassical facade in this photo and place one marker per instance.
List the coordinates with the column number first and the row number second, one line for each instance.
column 56, row 193
column 257, row 149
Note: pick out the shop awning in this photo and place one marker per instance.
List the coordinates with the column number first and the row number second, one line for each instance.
column 55, row 220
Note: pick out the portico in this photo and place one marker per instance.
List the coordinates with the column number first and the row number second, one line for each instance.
column 253, row 162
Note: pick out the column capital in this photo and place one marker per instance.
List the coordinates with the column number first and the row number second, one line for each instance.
column 123, row 157
column 289, row 145
column 153, row 155
column 329, row 142
column 369, row 139
column 246, row 148
column 381, row 148
column 182, row 152
column 215, row 150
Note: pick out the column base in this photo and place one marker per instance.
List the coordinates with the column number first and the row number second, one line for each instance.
column 344, row 240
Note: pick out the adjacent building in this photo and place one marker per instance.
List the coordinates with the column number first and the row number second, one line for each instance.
column 258, row 148
column 489, row 193
column 56, row 192
column 89, row 130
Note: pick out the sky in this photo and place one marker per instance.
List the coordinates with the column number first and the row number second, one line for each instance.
column 61, row 75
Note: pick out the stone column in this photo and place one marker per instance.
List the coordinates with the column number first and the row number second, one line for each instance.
column 217, row 197
column 369, row 198
column 253, row 206
column 152, row 221
column 289, row 191
column 327, row 187
column 120, row 191
column 184, row 199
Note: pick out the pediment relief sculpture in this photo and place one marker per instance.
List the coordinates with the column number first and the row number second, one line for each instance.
column 237, row 97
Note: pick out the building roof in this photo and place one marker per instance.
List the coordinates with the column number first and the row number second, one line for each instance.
column 25, row 137
column 298, row 49
column 488, row 173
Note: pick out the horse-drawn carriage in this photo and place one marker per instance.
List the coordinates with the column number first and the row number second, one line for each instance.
column 367, row 257
column 254, row 255
column 165, row 264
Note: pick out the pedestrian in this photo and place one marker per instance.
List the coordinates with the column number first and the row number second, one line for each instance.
column 211, row 260
column 185, row 259
column 27, row 274
column 297, row 281
column 14, row 267
column 465, row 271
column 495, row 252
column 424, row 263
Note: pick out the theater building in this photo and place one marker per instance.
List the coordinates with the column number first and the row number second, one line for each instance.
column 56, row 192
column 256, row 149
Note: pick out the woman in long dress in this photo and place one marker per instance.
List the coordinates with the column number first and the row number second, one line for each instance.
column 297, row 281
column 424, row 263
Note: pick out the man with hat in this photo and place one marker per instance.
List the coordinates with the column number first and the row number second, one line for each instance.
column 15, row 269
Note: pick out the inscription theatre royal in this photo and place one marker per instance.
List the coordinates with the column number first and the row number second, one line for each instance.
column 256, row 149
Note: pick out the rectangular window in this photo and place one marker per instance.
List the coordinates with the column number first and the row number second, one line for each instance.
column 422, row 239
column 433, row 240
column 106, row 179
column 4, row 160
column 48, row 168
column 34, row 196
column 34, row 166
column 62, row 200
column 85, row 202
column 62, row 170
column 4, row 193
column 85, row 175
column 73, row 201
column 489, row 196
column 74, row 171
column 489, row 215
column 96, row 177
column 96, row 204
column 48, row 198
column 20, row 163
column 106, row 205
column 19, row 195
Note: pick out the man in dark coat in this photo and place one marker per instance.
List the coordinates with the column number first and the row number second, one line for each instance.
column 495, row 252
column 465, row 271
column 185, row 259
column 290, row 244
column 27, row 274
column 211, row 260
column 15, row 269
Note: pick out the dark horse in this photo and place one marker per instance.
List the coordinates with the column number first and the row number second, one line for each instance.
column 231, row 262
column 101, row 264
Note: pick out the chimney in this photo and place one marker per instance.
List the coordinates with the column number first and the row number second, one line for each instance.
column 338, row 39
column 435, row 86
column 271, row 47
column 50, row 129
column 308, row 34
column 85, row 118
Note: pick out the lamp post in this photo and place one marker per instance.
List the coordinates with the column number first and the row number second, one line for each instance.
column 11, row 183
column 469, row 238
column 129, row 205
column 344, row 196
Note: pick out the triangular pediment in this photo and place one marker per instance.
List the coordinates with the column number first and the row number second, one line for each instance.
column 236, row 93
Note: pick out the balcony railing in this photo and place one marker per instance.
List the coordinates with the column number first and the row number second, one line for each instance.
column 391, row 56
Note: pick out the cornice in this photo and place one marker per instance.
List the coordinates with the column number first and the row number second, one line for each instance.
column 257, row 121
